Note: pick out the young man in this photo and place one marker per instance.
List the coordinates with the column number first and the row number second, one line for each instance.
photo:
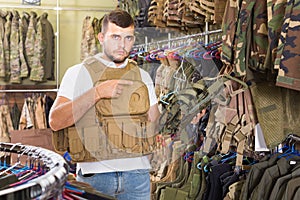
column 123, row 178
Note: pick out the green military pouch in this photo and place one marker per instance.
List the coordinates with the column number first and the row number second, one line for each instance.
column 195, row 186
column 170, row 193
column 181, row 195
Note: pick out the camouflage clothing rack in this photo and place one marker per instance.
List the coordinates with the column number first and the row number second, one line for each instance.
column 56, row 8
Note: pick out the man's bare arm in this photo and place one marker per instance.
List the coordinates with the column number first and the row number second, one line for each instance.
column 153, row 113
column 65, row 112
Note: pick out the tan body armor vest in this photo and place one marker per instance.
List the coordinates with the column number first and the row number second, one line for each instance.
column 114, row 127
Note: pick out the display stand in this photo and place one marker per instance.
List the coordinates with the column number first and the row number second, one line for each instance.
column 45, row 186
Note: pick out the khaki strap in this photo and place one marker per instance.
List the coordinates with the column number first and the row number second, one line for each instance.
column 228, row 133
column 241, row 138
column 93, row 67
column 199, row 84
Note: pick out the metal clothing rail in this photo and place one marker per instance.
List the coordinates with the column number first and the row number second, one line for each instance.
column 206, row 33
column 56, row 8
column 45, row 186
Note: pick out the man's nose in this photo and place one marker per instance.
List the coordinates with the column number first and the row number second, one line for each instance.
column 122, row 42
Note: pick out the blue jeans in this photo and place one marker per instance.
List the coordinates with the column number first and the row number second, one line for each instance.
column 128, row 185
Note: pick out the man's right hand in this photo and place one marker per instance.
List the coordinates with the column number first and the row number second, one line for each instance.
column 111, row 88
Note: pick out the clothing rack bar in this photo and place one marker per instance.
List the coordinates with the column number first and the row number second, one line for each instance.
column 28, row 7
column 29, row 90
column 84, row 9
column 181, row 38
column 192, row 36
column 56, row 8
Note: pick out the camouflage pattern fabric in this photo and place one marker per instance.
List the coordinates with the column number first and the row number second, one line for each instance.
column 2, row 35
column 257, row 34
column 276, row 10
column 30, row 38
column 229, row 27
column 131, row 6
column 288, row 56
column 259, row 43
column 97, row 23
column 42, row 68
column 241, row 43
column 6, row 43
column 142, row 19
column 245, row 36
column 6, row 124
column 284, row 29
column 23, row 31
column 251, row 37
column 89, row 43
column 37, row 72
column 49, row 53
column 23, row 50
column 14, row 49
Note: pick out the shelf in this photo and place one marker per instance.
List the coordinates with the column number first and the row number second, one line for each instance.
column 28, row 88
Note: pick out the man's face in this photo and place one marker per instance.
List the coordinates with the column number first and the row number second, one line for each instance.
column 117, row 42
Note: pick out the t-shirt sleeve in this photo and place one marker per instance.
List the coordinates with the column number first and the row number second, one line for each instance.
column 150, row 85
column 75, row 82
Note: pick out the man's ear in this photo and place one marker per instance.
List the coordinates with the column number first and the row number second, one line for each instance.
column 101, row 37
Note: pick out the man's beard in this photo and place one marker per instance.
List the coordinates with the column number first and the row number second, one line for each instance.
column 117, row 61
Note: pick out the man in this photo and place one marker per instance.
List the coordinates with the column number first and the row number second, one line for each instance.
column 123, row 178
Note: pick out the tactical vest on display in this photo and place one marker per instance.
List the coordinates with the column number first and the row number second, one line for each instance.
column 114, row 127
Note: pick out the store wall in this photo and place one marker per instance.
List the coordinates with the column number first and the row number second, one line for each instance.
column 67, row 23
column 71, row 27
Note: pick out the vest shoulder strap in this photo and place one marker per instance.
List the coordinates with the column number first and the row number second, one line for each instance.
column 95, row 68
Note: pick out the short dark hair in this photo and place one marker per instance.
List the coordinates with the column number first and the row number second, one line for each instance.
column 118, row 17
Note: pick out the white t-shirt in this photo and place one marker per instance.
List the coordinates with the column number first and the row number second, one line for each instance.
column 76, row 82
